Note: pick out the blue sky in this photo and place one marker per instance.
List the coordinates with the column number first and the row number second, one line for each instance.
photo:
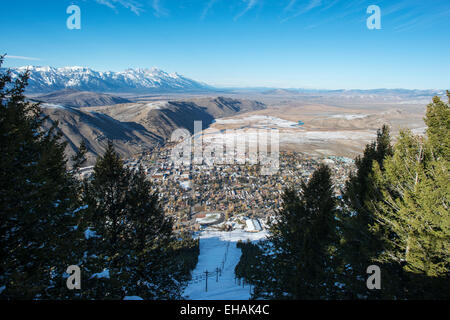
column 277, row 43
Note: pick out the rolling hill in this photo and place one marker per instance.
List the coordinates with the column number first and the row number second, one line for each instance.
column 136, row 127
column 76, row 98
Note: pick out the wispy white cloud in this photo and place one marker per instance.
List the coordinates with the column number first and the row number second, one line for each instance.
column 312, row 4
column 22, row 58
column 159, row 11
column 329, row 5
column 421, row 21
column 304, row 9
column 289, row 5
column 134, row 6
column 207, row 8
column 250, row 5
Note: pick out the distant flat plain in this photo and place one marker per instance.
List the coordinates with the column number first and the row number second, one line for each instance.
column 339, row 125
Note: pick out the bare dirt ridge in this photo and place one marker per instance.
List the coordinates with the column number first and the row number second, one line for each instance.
column 139, row 126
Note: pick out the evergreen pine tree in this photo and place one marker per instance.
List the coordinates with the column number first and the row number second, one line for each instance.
column 132, row 249
column 105, row 226
column 153, row 262
column 414, row 208
column 38, row 200
column 80, row 157
column 359, row 244
column 298, row 262
column 438, row 121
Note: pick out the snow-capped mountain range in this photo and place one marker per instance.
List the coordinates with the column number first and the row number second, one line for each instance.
column 46, row 79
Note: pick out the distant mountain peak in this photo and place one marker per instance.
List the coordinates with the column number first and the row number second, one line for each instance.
column 145, row 80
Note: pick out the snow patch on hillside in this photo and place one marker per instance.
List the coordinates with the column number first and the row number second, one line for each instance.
column 260, row 121
column 52, row 106
column 349, row 116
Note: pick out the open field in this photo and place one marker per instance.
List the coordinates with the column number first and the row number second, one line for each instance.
column 342, row 129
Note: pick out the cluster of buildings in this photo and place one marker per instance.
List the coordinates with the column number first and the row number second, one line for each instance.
column 238, row 196
column 228, row 196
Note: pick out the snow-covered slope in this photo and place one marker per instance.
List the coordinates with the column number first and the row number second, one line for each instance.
column 217, row 247
column 45, row 79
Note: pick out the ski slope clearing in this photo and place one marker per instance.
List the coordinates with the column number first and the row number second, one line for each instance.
column 218, row 250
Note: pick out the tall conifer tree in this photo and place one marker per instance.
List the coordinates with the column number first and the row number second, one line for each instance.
column 298, row 263
column 414, row 208
column 38, row 227
column 360, row 244
column 132, row 248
